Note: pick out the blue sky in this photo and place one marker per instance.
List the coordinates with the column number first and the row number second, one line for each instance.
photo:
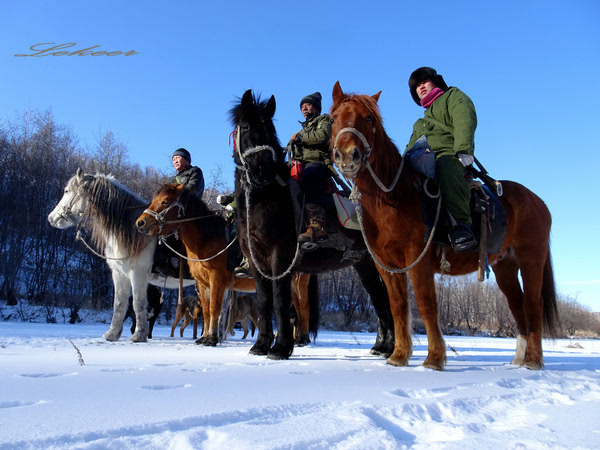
column 529, row 66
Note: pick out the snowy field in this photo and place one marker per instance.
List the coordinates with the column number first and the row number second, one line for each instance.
column 170, row 393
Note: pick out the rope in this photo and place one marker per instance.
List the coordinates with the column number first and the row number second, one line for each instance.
column 78, row 236
column 252, row 256
column 163, row 240
column 355, row 197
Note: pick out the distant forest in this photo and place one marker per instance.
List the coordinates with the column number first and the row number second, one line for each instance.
column 47, row 266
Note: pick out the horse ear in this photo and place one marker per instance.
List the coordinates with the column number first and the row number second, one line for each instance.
column 376, row 96
column 247, row 98
column 270, row 108
column 80, row 174
column 338, row 95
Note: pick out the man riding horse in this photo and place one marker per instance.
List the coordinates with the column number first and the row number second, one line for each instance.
column 449, row 126
column 310, row 147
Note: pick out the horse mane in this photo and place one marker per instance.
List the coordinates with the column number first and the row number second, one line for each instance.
column 111, row 211
column 257, row 108
column 212, row 224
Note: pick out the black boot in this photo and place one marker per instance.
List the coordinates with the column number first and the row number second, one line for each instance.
column 461, row 238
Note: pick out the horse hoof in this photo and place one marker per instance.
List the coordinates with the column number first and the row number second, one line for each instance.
column 258, row 350
column 277, row 356
column 533, row 365
column 398, row 361
column 111, row 337
column 434, row 366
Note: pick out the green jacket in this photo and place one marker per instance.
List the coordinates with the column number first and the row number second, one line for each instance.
column 315, row 134
column 456, row 112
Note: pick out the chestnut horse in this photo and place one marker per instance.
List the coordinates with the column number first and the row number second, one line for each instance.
column 393, row 227
column 202, row 232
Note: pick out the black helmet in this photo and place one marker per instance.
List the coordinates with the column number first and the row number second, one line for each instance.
column 424, row 74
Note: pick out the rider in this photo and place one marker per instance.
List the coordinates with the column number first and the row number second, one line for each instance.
column 311, row 147
column 187, row 174
column 449, row 126
column 192, row 178
column 228, row 202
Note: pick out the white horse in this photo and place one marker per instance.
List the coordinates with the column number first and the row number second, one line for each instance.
column 109, row 211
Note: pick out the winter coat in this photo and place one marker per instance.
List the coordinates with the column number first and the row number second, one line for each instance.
column 192, row 177
column 456, row 112
column 315, row 135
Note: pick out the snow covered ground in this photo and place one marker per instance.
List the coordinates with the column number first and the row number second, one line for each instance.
column 170, row 393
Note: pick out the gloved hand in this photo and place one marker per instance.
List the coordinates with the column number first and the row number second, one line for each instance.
column 297, row 138
column 229, row 208
column 466, row 160
column 220, row 199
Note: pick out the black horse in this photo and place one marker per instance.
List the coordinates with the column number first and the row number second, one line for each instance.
column 268, row 232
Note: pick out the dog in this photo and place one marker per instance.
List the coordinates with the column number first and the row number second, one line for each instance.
column 243, row 309
column 190, row 309
column 155, row 300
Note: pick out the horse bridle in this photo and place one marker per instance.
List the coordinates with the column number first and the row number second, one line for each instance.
column 365, row 158
column 363, row 139
column 161, row 216
column 243, row 155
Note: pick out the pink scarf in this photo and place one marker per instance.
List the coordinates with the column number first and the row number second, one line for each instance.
column 430, row 98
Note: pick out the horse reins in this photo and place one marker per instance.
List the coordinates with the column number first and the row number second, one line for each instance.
column 161, row 222
column 246, row 170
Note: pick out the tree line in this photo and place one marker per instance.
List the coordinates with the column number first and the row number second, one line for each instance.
column 50, row 267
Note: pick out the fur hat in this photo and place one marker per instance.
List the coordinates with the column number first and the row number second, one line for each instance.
column 183, row 153
column 424, row 74
column 313, row 99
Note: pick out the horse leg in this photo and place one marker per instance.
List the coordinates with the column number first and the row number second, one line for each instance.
column 217, row 291
column 284, row 342
column 301, row 303
column 396, row 287
column 264, row 295
column 373, row 284
column 121, row 297
column 422, row 278
column 532, row 273
column 506, row 271
column 204, row 300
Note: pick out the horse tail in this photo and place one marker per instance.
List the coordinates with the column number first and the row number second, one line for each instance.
column 552, row 326
column 252, row 327
column 313, row 300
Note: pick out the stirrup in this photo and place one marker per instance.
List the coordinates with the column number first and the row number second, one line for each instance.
column 310, row 246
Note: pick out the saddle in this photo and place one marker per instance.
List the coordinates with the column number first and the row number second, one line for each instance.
column 334, row 219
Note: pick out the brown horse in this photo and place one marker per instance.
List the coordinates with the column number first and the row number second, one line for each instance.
column 393, row 227
column 204, row 239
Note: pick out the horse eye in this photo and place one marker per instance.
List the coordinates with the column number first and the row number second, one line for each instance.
column 164, row 202
column 331, row 121
column 368, row 118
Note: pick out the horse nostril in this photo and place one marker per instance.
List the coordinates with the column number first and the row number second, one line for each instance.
column 336, row 155
column 141, row 223
column 355, row 155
